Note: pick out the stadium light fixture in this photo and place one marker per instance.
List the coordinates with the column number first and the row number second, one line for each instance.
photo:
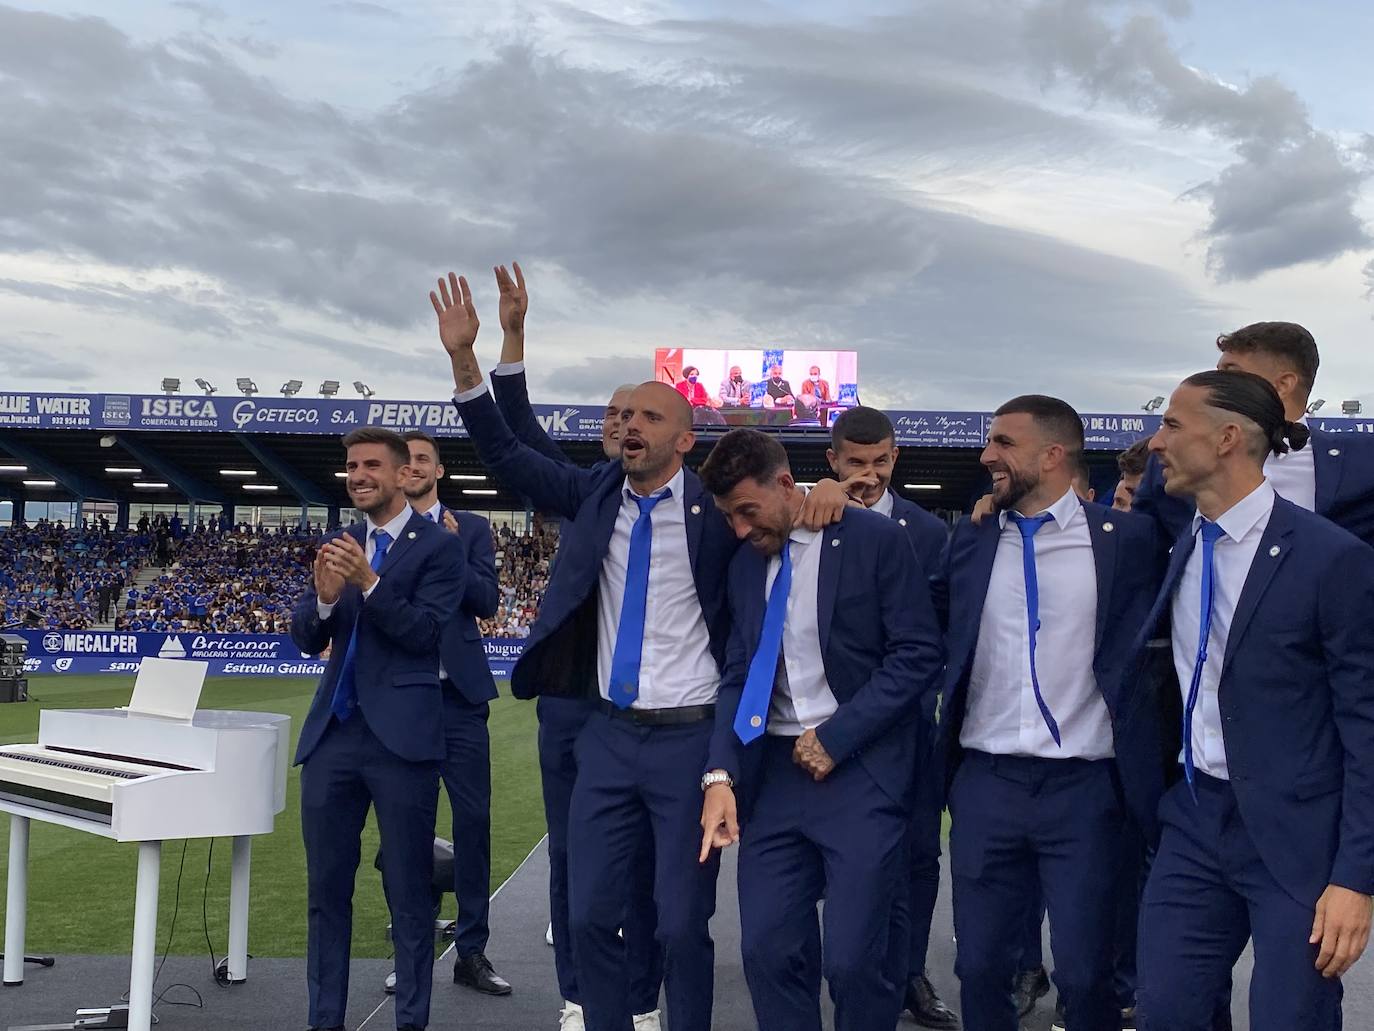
column 109, row 440
column 148, row 485
column 238, row 472
column 291, row 388
column 259, row 486
column 246, row 386
column 329, row 388
column 125, row 470
column 468, row 477
column 14, row 468
column 171, row 385
column 921, row 486
column 206, row 386
column 40, row 483
column 1316, row 406
column 480, row 492
column 362, row 388
column 1153, row 405
column 1351, row 407
column 341, row 476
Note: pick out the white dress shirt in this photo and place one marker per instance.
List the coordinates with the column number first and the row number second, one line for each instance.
column 394, row 528
column 1242, row 525
column 1002, row 717
column 676, row 667
column 883, row 506
column 802, row 700
column 1293, row 475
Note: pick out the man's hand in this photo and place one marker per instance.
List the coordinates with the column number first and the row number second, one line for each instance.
column 826, row 501
column 346, row 559
column 450, row 522
column 719, row 823
column 515, row 300
column 983, row 509
column 811, row 756
column 1341, row 927
column 458, row 323
column 328, row 584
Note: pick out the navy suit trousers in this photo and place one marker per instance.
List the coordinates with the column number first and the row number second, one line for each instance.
column 348, row 771
column 1209, row 893
column 466, row 771
column 560, row 722
column 1016, row 818
column 625, row 774
column 843, row 840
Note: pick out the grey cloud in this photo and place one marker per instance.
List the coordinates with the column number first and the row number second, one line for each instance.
column 360, row 9
column 203, row 11
column 21, row 360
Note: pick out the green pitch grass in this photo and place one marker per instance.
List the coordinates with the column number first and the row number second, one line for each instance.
column 81, row 887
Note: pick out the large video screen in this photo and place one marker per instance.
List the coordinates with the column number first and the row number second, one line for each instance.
column 761, row 386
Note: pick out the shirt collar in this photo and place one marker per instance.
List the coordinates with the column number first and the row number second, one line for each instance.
column 676, row 485
column 435, row 513
column 1245, row 514
column 394, row 527
column 1062, row 512
column 883, row 506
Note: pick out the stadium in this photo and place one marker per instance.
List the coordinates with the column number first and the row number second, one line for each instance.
column 205, row 512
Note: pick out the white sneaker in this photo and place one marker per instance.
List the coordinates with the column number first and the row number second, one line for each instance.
column 647, row 1021
column 548, row 935
column 571, row 1018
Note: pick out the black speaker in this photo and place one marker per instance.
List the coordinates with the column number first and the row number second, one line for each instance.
column 14, row 689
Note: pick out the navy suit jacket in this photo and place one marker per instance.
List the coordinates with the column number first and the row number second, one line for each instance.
column 928, row 533
column 1297, row 701
column 1344, row 468
column 396, row 660
column 560, row 654
column 1128, row 561
column 879, row 640
column 460, row 646
column 513, row 399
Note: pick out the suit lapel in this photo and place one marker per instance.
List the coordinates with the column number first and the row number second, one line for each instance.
column 694, row 502
column 403, row 543
column 1178, row 559
column 606, row 514
column 828, row 580
column 1272, row 552
column 1101, row 531
column 1327, row 459
column 988, row 533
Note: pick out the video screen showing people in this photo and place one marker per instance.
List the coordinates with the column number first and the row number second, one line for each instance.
column 761, row 386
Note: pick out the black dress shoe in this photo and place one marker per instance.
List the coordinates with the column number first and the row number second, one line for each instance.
column 1031, row 987
column 925, row 1006
column 475, row 972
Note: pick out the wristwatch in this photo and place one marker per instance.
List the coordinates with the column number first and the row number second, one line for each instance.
column 713, row 777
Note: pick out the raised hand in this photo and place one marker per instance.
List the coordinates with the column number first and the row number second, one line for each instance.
column 346, row 558
column 515, row 299
column 458, row 323
column 450, row 522
column 328, row 584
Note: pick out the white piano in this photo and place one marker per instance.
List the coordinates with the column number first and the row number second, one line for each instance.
column 134, row 776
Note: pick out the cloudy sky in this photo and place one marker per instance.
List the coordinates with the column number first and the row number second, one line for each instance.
column 980, row 196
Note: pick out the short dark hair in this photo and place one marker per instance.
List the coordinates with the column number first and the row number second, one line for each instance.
column 687, row 370
column 1286, row 341
column 742, row 454
column 1255, row 400
column 1132, row 461
column 1055, row 418
column 409, row 436
column 863, row 426
column 390, row 439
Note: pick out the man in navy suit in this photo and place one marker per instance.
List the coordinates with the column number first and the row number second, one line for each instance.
column 1040, row 604
column 863, row 444
column 833, row 648
column 561, row 719
column 468, row 688
column 1268, row 834
column 1332, row 474
column 383, row 591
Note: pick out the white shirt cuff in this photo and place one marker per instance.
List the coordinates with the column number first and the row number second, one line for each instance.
column 470, row 395
column 508, row 369
column 372, row 588
column 324, row 610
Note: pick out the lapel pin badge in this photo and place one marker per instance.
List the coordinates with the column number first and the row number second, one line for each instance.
column 834, row 542
column 411, row 535
column 1107, row 527
column 1273, row 552
column 755, row 721
column 1334, row 452
column 901, row 522
column 696, row 510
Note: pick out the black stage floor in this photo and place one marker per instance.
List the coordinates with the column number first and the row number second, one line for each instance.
column 274, row 997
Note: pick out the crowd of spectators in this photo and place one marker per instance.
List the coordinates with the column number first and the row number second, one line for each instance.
column 522, row 566
column 57, row 577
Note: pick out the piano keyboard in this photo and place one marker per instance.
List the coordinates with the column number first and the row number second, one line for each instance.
column 65, row 782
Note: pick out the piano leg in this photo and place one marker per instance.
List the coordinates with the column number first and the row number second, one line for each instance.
column 145, row 936
column 238, row 909
column 16, row 901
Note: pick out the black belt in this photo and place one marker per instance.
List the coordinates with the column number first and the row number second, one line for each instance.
column 660, row 717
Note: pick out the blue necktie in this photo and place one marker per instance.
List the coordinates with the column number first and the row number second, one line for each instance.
column 345, row 698
column 1028, row 525
column 433, row 517
column 752, row 713
column 1210, row 533
column 629, row 635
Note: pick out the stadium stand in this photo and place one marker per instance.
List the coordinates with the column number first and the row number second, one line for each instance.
column 52, row 576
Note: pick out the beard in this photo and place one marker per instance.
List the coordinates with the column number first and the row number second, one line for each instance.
column 1017, row 486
